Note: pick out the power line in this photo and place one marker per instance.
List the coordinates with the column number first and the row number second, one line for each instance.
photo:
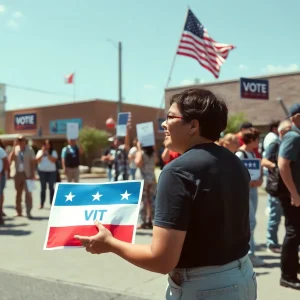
column 37, row 90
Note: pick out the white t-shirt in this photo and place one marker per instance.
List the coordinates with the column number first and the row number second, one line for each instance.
column 45, row 165
column 132, row 152
column 269, row 139
column 3, row 154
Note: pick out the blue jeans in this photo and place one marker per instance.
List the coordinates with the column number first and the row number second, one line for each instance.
column 235, row 280
column 253, row 202
column 275, row 213
column 132, row 173
column 50, row 178
column 2, row 184
column 109, row 174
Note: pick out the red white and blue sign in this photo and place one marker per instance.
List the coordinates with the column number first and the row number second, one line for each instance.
column 76, row 206
column 254, row 88
column 254, row 167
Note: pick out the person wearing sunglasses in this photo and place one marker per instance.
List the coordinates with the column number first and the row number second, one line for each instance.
column 201, row 220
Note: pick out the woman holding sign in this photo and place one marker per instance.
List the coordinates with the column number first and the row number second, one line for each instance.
column 201, row 219
column 250, row 137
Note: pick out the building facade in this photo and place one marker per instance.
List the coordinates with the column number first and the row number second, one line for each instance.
column 50, row 122
column 259, row 112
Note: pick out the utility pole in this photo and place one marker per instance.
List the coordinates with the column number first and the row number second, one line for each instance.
column 120, row 77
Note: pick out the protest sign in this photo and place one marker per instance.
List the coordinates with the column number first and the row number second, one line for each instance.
column 253, row 166
column 76, row 206
column 72, row 131
column 123, row 119
column 145, row 134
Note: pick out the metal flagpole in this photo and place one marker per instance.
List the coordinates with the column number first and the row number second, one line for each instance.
column 74, row 87
column 172, row 66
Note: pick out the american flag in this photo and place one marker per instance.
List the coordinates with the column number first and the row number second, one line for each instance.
column 76, row 206
column 195, row 42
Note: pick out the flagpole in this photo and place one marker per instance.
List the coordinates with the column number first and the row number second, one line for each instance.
column 74, row 87
column 172, row 65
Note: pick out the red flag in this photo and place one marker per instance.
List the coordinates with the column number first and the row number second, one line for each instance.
column 69, row 79
column 196, row 43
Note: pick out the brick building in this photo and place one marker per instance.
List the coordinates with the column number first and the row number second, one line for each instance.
column 49, row 122
column 259, row 112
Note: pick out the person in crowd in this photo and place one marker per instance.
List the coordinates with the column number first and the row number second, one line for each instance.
column 229, row 141
column 70, row 158
column 131, row 158
column 169, row 155
column 4, row 171
column 201, row 219
column 106, row 158
column 250, row 139
column 146, row 160
column 22, row 167
column 246, row 126
column 272, row 135
column 46, row 162
column 289, row 166
column 120, row 158
column 274, row 186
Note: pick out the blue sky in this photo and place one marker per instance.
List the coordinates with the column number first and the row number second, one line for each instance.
column 41, row 41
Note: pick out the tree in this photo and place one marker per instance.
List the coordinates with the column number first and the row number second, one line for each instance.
column 92, row 141
column 234, row 123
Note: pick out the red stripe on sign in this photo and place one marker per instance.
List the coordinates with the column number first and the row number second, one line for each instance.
column 64, row 236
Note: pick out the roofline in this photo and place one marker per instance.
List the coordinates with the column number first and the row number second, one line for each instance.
column 233, row 80
column 76, row 102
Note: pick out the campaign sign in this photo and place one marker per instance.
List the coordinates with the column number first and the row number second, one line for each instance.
column 160, row 121
column 253, row 166
column 145, row 134
column 25, row 121
column 254, row 88
column 123, row 120
column 76, row 206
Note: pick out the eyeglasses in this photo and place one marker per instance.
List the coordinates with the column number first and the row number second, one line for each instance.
column 168, row 117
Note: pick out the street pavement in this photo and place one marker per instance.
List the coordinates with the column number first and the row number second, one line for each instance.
column 28, row 272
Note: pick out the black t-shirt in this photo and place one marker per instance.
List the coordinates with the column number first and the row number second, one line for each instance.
column 107, row 152
column 205, row 192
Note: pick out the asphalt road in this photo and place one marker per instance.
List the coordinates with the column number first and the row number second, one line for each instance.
column 14, row 286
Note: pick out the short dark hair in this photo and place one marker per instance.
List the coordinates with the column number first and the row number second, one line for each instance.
column 202, row 105
column 246, row 125
column 273, row 124
column 250, row 135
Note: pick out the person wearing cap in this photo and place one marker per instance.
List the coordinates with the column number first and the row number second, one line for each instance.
column 22, row 167
column 289, row 167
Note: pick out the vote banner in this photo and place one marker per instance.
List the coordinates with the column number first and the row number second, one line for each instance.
column 254, row 88
column 25, row 121
column 76, row 206
column 254, row 168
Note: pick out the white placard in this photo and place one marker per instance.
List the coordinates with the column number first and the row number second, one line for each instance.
column 31, row 186
column 72, row 131
column 253, row 166
column 145, row 134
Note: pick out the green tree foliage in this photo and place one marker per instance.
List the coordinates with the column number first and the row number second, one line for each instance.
column 92, row 141
column 234, row 123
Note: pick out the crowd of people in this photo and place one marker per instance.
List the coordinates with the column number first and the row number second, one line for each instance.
column 204, row 204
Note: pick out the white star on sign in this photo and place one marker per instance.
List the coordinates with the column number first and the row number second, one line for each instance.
column 69, row 197
column 97, row 196
column 125, row 196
